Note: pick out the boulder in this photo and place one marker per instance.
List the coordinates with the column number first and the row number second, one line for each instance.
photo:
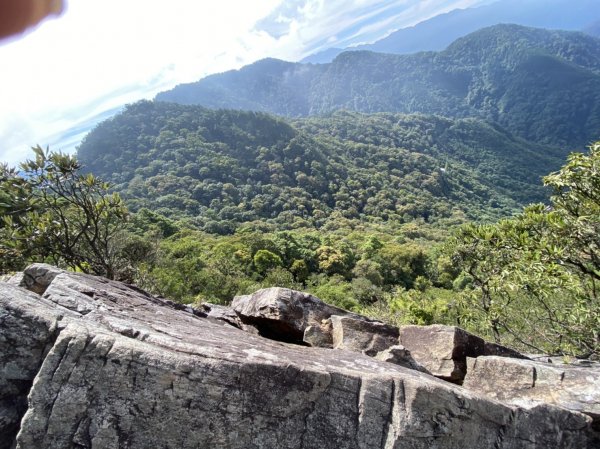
column 524, row 381
column 284, row 314
column 38, row 277
column 368, row 337
column 443, row 350
column 104, row 365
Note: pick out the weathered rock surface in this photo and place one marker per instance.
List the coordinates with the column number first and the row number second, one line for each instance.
column 525, row 381
column 38, row 277
column 363, row 336
column 319, row 335
column 14, row 279
column 399, row 355
column 108, row 366
column 28, row 327
column 443, row 350
column 222, row 313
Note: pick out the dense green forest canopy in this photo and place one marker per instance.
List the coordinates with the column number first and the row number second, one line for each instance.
column 528, row 281
column 223, row 168
column 539, row 84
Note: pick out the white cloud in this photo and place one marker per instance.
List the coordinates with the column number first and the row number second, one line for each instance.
column 104, row 53
column 315, row 25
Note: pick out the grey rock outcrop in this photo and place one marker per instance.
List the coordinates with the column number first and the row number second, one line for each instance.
column 526, row 381
column 38, row 277
column 14, row 279
column 108, row 366
column 443, row 350
column 28, row 327
column 222, row 313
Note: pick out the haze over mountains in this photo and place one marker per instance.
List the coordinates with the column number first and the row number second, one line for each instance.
column 541, row 85
column 495, row 111
column 433, row 34
column 593, row 29
column 440, row 31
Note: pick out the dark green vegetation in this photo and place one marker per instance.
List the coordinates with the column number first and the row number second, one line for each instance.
column 220, row 169
column 529, row 281
column 541, row 85
column 355, row 208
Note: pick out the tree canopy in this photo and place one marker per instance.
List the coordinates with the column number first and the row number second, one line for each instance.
column 52, row 212
column 535, row 276
column 221, row 169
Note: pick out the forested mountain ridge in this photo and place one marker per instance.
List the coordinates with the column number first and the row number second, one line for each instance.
column 221, row 168
column 426, row 35
column 542, row 85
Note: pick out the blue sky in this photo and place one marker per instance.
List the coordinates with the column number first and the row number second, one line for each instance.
column 101, row 54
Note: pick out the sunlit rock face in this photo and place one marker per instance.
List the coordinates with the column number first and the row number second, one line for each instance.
column 87, row 362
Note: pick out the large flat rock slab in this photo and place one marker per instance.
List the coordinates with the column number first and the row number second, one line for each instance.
column 124, row 369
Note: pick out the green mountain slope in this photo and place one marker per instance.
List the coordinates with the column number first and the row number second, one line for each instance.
column 541, row 85
column 221, row 168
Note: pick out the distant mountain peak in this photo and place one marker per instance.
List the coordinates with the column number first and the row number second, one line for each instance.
column 439, row 31
column 593, row 29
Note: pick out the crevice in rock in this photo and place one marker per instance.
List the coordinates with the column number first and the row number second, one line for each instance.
column 396, row 413
column 306, row 422
column 595, row 422
column 388, row 433
column 501, row 435
column 20, row 401
column 14, row 407
column 359, row 407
